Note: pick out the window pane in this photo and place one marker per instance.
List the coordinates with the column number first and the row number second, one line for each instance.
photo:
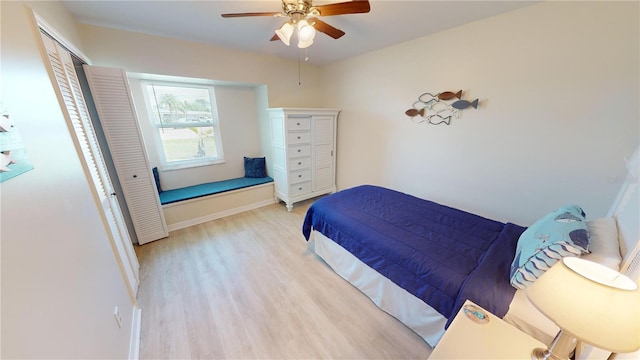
column 180, row 105
column 187, row 143
column 186, row 120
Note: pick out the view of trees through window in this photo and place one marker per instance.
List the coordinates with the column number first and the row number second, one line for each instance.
column 185, row 121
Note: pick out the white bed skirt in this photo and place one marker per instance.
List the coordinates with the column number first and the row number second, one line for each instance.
column 411, row 311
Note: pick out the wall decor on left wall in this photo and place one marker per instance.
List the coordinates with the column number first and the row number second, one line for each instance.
column 13, row 155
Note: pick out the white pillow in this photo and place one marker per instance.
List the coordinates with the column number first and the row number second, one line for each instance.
column 603, row 244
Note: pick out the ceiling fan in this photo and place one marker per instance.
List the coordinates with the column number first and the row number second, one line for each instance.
column 303, row 17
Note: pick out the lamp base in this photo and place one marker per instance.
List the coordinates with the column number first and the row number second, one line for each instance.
column 560, row 349
column 543, row 354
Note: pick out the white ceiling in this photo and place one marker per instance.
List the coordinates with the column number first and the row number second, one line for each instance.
column 388, row 23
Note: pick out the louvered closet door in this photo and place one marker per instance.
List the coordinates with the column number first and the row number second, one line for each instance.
column 111, row 94
column 68, row 89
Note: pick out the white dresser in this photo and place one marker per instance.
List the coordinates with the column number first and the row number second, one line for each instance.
column 303, row 145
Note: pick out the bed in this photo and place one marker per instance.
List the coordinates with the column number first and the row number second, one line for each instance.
column 419, row 260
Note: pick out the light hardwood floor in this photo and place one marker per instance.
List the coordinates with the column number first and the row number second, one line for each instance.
column 246, row 287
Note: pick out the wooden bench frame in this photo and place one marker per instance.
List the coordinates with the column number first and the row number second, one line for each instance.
column 196, row 211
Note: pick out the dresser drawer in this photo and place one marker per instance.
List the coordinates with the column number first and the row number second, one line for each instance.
column 300, row 163
column 299, row 123
column 299, row 150
column 299, row 176
column 298, row 137
column 300, row 189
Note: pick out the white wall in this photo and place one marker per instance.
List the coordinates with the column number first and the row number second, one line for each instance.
column 242, row 119
column 142, row 53
column 559, row 109
column 558, row 84
column 60, row 279
column 238, row 125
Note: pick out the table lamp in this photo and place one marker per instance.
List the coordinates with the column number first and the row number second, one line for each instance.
column 589, row 302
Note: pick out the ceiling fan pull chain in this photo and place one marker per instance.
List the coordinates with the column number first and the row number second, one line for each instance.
column 299, row 81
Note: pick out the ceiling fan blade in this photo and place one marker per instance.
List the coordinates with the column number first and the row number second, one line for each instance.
column 351, row 7
column 326, row 28
column 274, row 37
column 272, row 13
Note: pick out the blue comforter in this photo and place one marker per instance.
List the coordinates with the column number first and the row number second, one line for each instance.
column 439, row 254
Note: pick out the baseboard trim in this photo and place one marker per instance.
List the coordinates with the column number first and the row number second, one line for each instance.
column 219, row 215
column 136, row 325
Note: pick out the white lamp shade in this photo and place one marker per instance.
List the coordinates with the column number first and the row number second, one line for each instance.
column 285, row 32
column 592, row 302
column 306, row 34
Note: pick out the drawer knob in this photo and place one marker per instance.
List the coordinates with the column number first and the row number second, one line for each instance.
column 299, row 188
column 299, row 162
column 298, row 124
column 299, row 176
column 298, row 137
column 299, row 150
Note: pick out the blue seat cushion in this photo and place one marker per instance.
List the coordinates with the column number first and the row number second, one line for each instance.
column 196, row 191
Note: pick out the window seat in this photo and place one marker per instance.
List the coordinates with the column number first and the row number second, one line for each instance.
column 216, row 187
column 206, row 202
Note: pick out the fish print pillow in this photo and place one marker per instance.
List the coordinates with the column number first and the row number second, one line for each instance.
column 558, row 234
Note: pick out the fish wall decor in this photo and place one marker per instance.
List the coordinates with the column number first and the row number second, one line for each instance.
column 439, row 108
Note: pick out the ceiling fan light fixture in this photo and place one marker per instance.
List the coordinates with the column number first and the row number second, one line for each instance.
column 306, row 34
column 304, row 44
column 298, row 11
column 285, row 32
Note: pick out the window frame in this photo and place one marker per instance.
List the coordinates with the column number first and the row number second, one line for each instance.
column 156, row 125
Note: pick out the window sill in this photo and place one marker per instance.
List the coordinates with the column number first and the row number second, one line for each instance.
column 188, row 165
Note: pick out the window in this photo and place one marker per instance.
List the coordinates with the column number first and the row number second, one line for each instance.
column 185, row 121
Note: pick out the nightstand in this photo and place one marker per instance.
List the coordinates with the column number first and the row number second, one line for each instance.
column 489, row 338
